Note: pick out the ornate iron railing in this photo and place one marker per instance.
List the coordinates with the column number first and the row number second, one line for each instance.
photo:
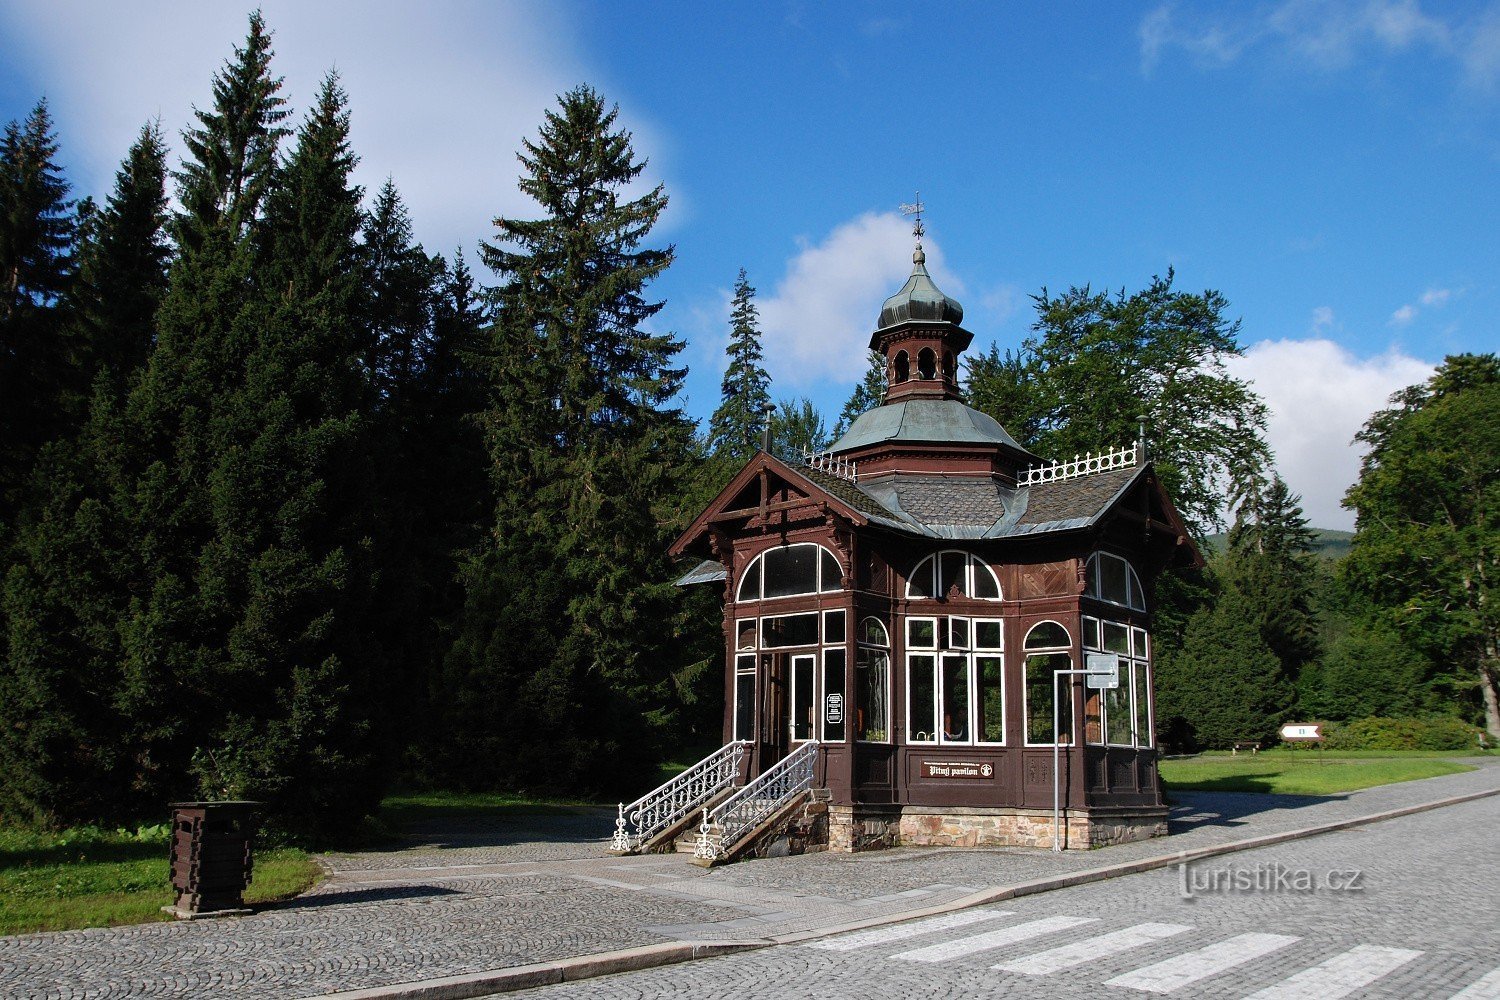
column 831, row 464
column 668, row 804
column 1082, row 465
column 758, row 801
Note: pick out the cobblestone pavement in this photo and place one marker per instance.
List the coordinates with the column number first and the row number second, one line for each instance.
column 1399, row 909
column 475, row 896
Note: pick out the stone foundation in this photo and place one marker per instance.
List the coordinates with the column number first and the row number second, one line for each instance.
column 863, row 828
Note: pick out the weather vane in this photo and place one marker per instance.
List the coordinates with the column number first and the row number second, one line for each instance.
column 916, row 208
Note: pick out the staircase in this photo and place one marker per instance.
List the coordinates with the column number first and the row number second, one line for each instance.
column 736, row 822
column 648, row 823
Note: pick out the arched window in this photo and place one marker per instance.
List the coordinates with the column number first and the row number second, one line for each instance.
column 940, row 572
column 1112, row 579
column 1048, row 650
column 790, row 570
column 926, row 363
column 903, row 366
column 872, row 682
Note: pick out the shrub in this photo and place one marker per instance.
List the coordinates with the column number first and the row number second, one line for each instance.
column 1437, row 733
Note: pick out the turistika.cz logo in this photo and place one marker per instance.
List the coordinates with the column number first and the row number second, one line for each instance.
column 1274, row 877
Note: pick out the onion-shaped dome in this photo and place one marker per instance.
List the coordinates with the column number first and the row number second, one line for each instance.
column 920, row 300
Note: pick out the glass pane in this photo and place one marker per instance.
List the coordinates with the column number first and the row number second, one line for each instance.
column 744, row 664
column 1142, row 677
column 1137, row 593
column 985, row 585
column 958, row 633
column 920, row 584
column 1045, row 635
column 834, row 708
column 921, row 700
column 802, row 697
column 744, row 706
column 956, row 699
column 750, row 583
column 1039, row 682
column 1116, row 638
column 1117, row 710
column 791, row 570
column 872, row 630
column 951, row 574
column 833, row 576
column 871, row 671
column 833, row 626
column 789, row 630
column 1093, row 718
column 991, row 701
column 921, row 633
column 746, row 640
column 1140, row 642
column 1091, row 633
column 987, row 635
column 1112, row 586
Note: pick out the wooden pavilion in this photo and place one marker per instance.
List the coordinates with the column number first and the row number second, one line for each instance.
column 905, row 598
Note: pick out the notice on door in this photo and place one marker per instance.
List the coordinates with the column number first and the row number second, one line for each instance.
column 957, row 769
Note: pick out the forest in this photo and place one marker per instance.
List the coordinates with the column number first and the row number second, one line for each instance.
column 294, row 510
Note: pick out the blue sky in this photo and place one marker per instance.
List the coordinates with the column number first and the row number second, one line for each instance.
column 1329, row 166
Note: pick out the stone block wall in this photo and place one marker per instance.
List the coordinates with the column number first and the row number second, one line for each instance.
column 863, row 828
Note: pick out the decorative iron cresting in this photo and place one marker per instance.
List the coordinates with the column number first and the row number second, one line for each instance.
column 668, row 804
column 1080, row 466
column 831, row 464
column 728, row 822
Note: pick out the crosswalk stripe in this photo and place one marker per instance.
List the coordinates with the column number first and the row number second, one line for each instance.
column 900, row 932
column 992, row 939
column 1486, row 988
column 1175, row 973
column 1069, row 955
column 1340, row 975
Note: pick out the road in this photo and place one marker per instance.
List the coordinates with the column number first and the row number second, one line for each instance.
column 1404, row 908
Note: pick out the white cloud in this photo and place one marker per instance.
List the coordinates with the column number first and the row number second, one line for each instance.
column 1320, row 395
column 1404, row 315
column 1322, row 319
column 1322, row 34
column 1436, row 296
column 816, row 323
column 441, row 93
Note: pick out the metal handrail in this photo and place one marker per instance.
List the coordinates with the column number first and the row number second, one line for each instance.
column 758, row 801
column 667, row 804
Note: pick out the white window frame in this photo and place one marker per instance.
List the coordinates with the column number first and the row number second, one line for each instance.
column 974, row 657
column 813, row 726
column 761, row 631
column 936, row 633
column 1138, row 659
column 818, row 581
column 823, row 626
column 753, row 672
column 935, row 656
column 1025, row 654
column 1135, row 594
column 890, row 662
column 932, row 562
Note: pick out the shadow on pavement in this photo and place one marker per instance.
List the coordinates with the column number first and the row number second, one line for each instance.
column 351, row 897
column 1192, row 810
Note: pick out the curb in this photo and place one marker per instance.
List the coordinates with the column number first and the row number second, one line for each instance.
column 652, row 956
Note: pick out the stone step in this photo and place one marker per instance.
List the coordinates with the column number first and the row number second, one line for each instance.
column 688, row 842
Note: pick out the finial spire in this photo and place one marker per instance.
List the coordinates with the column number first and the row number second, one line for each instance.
column 918, row 230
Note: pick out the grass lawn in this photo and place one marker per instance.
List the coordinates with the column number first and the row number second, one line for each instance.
column 404, row 809
column 95, row 878
column 1299, row 772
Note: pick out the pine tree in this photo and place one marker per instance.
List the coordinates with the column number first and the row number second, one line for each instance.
column 567, row 628
column 797, row 427
column 1224, row 686
column 734, row 428
column 868, row 394
column 36, row 270
column 122, row 266
column 1270, row 561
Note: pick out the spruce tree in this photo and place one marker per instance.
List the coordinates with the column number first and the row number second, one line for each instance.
column 734, row 428
column 797, row 427
column 122, row 266
column 1224, row 685
column 36, row 270
column 1270, row 561
column 868, row 394
column 567, row 636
